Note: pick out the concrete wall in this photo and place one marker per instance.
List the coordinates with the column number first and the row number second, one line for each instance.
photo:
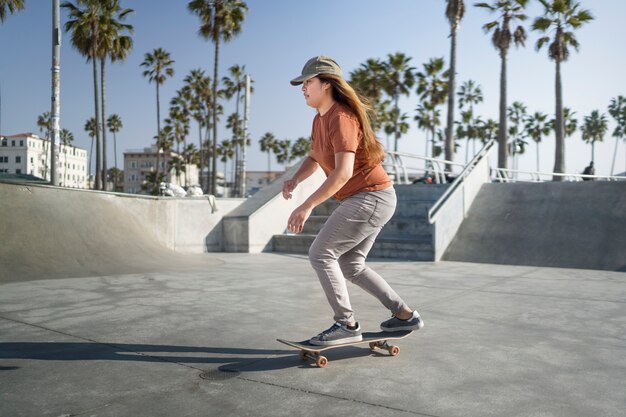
column 251, row 226
column 48, row 232
column 454, row 211
column 559, row 224
column 182, row 224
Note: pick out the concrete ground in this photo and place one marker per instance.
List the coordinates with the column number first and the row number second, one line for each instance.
column 498, row 341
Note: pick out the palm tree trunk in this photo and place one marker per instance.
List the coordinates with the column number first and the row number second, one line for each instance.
column 559, row 158
column 90, row 156
column 158, row 147
column 502, row 128
column 538, row 157
column 115, row 148
column 449, row 151
column 98, row 184
column 269, row 163
column 200, row 152
column 593, row 151
column 104, row 129
column 214, row 148
column 395, row 122
column 614, row 155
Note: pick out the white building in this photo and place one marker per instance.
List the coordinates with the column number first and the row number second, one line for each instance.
column 139, row 163
column 26, row 153
column 255, row 180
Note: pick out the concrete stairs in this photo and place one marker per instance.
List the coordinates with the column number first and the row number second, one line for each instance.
column 408, row 235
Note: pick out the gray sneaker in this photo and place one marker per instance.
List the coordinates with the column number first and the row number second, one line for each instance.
column 337, row 334
column 394, row 324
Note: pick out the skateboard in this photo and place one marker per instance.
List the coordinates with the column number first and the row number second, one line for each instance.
column 376, row 340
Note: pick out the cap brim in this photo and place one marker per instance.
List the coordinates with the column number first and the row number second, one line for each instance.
column 299, row 80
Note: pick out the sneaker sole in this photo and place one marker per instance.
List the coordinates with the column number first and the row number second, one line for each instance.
column 353, row 339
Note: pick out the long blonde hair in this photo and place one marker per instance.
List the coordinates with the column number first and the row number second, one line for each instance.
column 345, row 94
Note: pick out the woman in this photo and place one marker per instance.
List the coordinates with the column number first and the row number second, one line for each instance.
column 344, row 146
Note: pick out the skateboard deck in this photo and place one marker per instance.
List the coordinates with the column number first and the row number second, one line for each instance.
column 376, row 340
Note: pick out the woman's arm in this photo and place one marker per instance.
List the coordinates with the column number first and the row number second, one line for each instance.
column 344, row 166
column 308, row 167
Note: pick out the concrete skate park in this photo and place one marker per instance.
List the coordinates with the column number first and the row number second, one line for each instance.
column 119, row 305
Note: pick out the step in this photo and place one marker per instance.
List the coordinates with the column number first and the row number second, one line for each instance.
column 389, row 247
column 314, row 224
column 430, row 192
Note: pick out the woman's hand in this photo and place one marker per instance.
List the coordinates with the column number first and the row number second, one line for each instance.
column 298, row 218
column 288, row 187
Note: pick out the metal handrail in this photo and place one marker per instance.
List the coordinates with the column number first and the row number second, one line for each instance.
column 434, row 210
column 436, row 166
column 536, row 175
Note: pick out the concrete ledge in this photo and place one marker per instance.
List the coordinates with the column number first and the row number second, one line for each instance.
column 251, row 226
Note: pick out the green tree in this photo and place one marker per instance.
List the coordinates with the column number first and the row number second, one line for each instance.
column 368, row 80
column 398, row 81
column 10, row 6
column 91, row 127
column 44, row 123
column 561, row 17
column 67, row 138
column 537, row 127
column 617, row 110
column 593, row 130
column 114, row 44
column 509, row 11
column 200, row 106
column 470, row 94
column 84, row 23
column 220, row 20
column 114, row 124
column 517, row 114
column 432, row 87
column 268, row 143
column 455, row 10
column 158, row 66
column 301, row 147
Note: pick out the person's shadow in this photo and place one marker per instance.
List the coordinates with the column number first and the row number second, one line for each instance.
column 223, row 359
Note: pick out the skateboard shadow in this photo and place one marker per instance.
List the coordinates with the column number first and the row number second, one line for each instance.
column 224, row 359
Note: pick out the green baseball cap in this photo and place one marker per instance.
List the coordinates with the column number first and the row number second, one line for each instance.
column 317, row 66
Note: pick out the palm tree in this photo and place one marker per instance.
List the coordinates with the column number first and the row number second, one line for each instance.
column 509, row 11
column 487, row 130
column 44, row 122
column 399, row 79
column 593, row 129
column 226, row 150
column 114, row 123
column 537, row 127
column 115, row 45
column 159, row 67
column 617, row 110
column 11, row 6
column 283, row 151
column 563, row 17
column 268, row 143
column 84, row 25
column 301, row 147
column 428, row 118
column 368, row 80
column 455, row 10
column 91, row 127
column 432, row 86
column 470, row 94
column 199, row 87
column 517, row 114
column 67, row 138
column 219, row 20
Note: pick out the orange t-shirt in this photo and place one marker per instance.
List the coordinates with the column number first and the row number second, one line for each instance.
column 339, row 131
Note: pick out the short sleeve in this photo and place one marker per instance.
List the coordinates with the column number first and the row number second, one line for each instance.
column 344, row 134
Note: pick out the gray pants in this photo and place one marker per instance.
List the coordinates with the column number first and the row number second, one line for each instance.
column 339, row 251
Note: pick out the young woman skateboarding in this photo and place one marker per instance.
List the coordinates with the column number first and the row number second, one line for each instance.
column 344, row 146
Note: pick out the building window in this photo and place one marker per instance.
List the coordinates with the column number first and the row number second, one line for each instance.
column 31, row 160
column 133, row 164
column 4, row 142
column 21, row 143
column 18, row 159
column 18, row 171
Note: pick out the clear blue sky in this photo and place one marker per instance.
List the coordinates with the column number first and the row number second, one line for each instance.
column 279, row 36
